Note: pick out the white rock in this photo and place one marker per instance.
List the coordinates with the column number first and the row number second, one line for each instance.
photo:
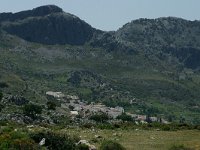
column 42, row 142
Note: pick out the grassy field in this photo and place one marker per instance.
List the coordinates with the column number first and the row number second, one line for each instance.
column 142, row 139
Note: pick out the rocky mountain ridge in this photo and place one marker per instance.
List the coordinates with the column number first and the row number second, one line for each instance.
column 47, row 25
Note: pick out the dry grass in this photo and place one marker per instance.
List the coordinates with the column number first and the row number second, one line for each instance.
column 142, row 139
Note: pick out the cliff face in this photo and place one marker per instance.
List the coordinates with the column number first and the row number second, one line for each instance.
column 36, row 12
column 47, row 25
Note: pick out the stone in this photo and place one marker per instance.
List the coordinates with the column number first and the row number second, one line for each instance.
column 42, row 142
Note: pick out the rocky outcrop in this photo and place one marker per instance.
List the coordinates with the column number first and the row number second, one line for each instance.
column 47, row 25
column 39, row 11
column 17, row 100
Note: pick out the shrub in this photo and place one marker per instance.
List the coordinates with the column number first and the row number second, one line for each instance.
column 16, row 140
column 24, row 144
column 51, row 105
column 1, row 107
column 32, row 110
column 111, row 145
column 179, row 147
column 102, row 117
column 55, row 141
column 125, row 117
column 82, row 147
column 88, row 125
column 105, row 126
column 166, row 128
column 1, row 96
column 3, row 85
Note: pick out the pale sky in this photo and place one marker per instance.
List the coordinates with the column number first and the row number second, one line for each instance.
column 112, row 14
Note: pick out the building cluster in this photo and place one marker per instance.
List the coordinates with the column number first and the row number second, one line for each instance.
column 80, row 108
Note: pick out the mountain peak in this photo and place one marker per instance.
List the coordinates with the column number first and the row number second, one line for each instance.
column 46, row 9
column 39, row 11
column 47, row 25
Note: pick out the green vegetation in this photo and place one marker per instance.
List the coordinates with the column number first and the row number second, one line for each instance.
column 180, row 147
column 16, row 140
column 1, row 95
column 1, row 106
column 111, row 145
column 51, row 105
column 55, row 141
column 82, row 147
column 32, row 110
column 18, row 136
column 138, row 139
column 125, row 117
column 147, row 60
column 101, row 117
column 148, row 67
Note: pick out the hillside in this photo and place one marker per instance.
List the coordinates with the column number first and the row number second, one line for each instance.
column 47, row 25
column 154, row 62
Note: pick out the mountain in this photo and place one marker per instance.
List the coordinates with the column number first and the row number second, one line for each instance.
column 47, row 25
column 153, row 62
column 174, row 36
column 37, row 12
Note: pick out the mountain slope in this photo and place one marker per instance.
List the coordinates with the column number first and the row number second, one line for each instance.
column 37, row 12
column 176, row 37
column 47, row 25
column 153, row 61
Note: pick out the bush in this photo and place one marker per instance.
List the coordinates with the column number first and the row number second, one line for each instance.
column 51, row 105
column 24, row 144
column 32, row 110
column 125, row 117
column 55, row 141
column 16, row 140
column 111, row 145
column 102, row 117
column 82, row 147
column 1, row 107
column 180, row 147
column 1, row 96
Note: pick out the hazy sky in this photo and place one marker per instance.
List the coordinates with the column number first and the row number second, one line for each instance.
column 112, row 14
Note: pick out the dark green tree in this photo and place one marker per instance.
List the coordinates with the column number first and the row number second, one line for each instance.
column 125, row 117
column 51, row 105
column 101, row 117
column 148, row 119
column 182, row 120
column 1, row 96
column 32, row 110
column 1, row 106
column 71, row 107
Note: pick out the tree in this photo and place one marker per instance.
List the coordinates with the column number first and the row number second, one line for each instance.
column 125, row 117
column 71, row 107
column 1, row 106
column 51, row 105
column 32, row 110
column 1, row 96
column 182, row 120
column 101, row 117
column 148, row 119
